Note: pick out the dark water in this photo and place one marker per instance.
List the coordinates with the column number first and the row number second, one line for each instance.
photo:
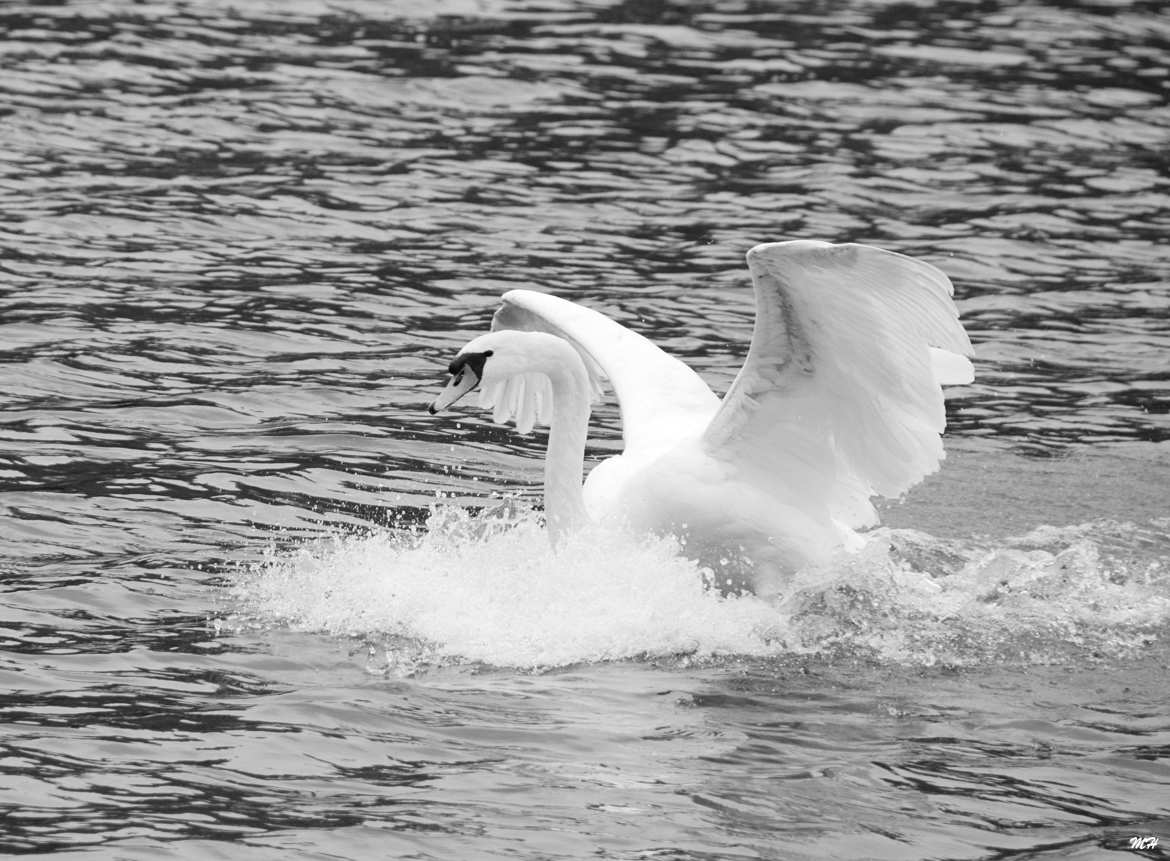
column 240, row 241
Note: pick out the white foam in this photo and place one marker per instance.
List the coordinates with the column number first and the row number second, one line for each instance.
column 492, row 590
column 505, row 597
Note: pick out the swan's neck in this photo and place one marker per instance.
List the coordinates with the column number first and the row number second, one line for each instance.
column 564, row 501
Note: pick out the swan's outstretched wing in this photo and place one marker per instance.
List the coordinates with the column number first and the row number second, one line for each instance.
column 661, row 398
column 840, row 396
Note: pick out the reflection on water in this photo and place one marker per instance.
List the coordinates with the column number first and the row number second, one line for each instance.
column 238, row 242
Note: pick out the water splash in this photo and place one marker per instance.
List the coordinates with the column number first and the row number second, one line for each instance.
column 492, row 590
column 497, row 592
column 1052, row 596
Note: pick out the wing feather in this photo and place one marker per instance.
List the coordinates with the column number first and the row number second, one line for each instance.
column 840, row 397
column 661, row 399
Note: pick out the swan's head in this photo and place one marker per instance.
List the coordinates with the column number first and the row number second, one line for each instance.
column 490, row 362
column 467, row 371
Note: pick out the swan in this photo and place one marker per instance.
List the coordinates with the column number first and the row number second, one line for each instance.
column 839, row 400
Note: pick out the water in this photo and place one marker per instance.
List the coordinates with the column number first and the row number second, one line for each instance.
column 239, row 243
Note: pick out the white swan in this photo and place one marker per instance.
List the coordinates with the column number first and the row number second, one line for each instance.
column 839, row 400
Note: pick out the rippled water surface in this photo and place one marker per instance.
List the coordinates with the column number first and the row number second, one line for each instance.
column 240, row 241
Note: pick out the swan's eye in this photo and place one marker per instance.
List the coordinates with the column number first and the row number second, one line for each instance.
column 464, row 361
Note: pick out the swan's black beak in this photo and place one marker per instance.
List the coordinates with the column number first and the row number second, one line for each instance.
column 463, row 381
column 466, row 372
column 459, row 385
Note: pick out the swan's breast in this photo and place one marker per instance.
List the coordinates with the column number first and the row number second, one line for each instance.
column 717, row 517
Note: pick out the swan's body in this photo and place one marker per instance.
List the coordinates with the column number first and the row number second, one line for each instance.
column 839, row 400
